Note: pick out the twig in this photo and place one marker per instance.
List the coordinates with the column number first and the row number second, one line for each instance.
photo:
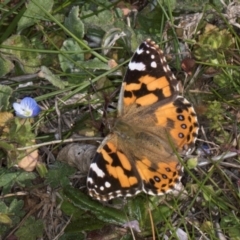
column 218, row 158
column 14, row 194
column 61, row 141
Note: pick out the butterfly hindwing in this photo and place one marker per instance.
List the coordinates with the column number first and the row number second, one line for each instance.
column 160, row 178
column 180, row 121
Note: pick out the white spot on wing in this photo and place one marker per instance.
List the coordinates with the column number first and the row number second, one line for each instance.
column 90, row 180
column 147, row 52
column 137, row 66
column 152, row 56
column 107, row 184
column 165, row 69
column 101, row 188
column 153, row 64
column 139, row 51
column 97, row 170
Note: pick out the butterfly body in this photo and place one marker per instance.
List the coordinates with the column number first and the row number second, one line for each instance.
column 139, row 155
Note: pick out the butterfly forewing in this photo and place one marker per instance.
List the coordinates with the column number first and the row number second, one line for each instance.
column 111, row 173
column 148, row 78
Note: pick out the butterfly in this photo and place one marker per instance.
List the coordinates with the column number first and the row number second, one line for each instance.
column 153, row 123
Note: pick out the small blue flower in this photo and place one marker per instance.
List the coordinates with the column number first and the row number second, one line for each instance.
column 27, row 108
